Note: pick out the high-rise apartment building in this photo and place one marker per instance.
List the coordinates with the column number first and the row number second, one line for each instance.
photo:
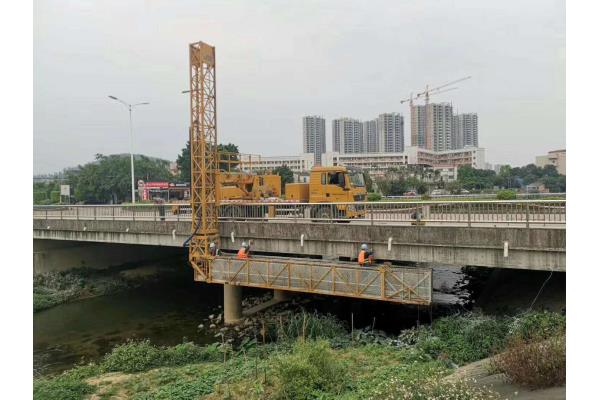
column 417, row 126
column 465, row 131
column 313, row 136
column 347, row 135
column 390, row 133
column 438, row 127
column 370, row 137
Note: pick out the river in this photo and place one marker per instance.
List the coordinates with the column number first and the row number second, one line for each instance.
column 168, row 312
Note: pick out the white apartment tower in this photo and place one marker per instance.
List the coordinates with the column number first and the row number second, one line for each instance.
column 465, row 131
column 390, row 133
column 313, row 136
column 347, row 135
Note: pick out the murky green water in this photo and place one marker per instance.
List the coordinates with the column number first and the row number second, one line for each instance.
column 166, row 313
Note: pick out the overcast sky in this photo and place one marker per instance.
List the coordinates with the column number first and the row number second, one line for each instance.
column 280, row 60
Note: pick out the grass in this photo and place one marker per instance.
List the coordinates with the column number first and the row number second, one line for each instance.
column 314, row 358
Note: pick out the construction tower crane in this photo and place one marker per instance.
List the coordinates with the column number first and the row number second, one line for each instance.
column 428, row 92
column 411, row 98
column 204, row 157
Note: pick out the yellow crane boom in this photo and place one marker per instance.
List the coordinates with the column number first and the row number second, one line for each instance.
column 204, row 158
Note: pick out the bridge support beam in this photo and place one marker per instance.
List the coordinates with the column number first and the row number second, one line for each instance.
column 232, row 304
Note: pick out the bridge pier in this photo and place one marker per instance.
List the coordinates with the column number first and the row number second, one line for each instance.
column 232, row 304
column 280, row 295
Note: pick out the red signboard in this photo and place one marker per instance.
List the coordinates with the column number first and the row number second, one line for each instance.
column 156, row 185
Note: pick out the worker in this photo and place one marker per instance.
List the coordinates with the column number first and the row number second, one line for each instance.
column 244, row 251
column 213, row 250
column 365, row 256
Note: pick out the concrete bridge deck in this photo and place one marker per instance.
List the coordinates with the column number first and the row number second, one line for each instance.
column 525, row 235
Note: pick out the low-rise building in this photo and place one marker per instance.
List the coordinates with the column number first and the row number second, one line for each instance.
column 301, row 163
column 558, row 158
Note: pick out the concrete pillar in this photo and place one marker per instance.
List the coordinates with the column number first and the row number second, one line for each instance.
column 280, row 295
column 232, row 303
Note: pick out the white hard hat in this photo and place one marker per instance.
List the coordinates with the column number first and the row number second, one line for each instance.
column 244, row 244
column 212, row 244
column 364, row 246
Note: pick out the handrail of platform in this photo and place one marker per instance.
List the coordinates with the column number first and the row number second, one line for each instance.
column 407, row 285
column 525, row 213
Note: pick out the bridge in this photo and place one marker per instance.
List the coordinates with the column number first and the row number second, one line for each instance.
column 524, row 234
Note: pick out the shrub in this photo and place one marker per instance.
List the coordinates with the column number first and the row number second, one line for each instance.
column 506, row 195
column 373, row 196
column 68, row 385
column 464, row 339
column 309, row 372
column 538, row 325
column 137, row 356
column 189, row 353
column 310, row 326
column 535, row 365
column 63, row 387
column 133, row 356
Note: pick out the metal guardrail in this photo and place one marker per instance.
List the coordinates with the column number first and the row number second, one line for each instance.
column 525, row 213
column 395, row 284
column 490, row 196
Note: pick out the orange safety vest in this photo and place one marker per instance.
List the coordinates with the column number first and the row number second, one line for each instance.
column 242, row 255
column 362, row 256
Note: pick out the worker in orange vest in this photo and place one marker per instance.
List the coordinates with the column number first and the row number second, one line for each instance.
column 365, row 256
column 244, row 251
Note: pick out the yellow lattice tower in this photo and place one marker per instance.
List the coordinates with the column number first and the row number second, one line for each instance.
column 203, row 154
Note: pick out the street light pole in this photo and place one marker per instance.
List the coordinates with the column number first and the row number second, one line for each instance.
column 130, row 108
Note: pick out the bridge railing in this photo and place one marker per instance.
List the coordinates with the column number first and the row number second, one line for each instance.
column 524, row 213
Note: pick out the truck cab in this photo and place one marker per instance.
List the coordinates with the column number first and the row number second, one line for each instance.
column 331, row 185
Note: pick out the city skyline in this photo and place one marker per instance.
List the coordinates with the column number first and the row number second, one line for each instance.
column 295, row 62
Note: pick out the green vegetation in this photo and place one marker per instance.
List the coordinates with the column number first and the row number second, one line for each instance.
column 374, row 197
column 311, row 371
column 137, row 356
column 313, row 356
column 108, row 178
column 184, row 161
column 422, row 180
column 286, row 174
column 506, row 195
column 46, row 192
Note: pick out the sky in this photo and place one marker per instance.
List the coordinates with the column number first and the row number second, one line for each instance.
column 280, row 60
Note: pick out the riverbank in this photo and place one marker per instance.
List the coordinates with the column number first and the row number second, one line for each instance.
column 53, row 288
column 308, row 355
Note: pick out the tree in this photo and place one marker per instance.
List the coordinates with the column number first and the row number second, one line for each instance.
column 108, row 178
column 286, row 174
column 478, row 179
column 228, row 153
column 184, row 164
column 368, row 181
column 229, row 156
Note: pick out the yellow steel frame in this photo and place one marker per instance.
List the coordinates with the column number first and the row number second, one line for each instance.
column 393, row 284
column 203, row 154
